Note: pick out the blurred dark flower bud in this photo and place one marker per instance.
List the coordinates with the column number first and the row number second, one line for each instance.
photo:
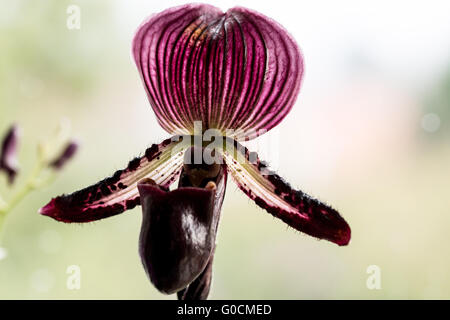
column 8, row 156
column 67, row 154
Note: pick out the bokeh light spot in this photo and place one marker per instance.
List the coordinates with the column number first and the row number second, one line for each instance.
column 42, row 280
column 431, row 122
column 3, row 253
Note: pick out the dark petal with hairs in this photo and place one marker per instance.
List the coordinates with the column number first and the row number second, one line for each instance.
column 294, row 207
column 161, row 162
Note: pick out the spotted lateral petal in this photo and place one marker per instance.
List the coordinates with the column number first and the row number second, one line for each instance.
column 271, row 192
column 236, row 70
column 161, row 163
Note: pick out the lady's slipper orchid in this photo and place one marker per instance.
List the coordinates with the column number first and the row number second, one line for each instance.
column 239, row 73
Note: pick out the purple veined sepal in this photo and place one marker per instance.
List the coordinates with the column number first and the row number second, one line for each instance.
column 270, row 192
column 236, row 70
column 118, row 193
column 179, row 228
column 8, row 153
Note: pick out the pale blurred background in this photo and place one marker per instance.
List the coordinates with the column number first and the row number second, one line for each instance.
column 370, row 134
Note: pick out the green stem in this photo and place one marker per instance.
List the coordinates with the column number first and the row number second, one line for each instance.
column 34, row 181
column 29, row 186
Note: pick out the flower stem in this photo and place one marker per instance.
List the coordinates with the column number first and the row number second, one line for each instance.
column 31, row 184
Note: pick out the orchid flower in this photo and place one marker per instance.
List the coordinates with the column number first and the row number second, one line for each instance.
column 237, row 73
